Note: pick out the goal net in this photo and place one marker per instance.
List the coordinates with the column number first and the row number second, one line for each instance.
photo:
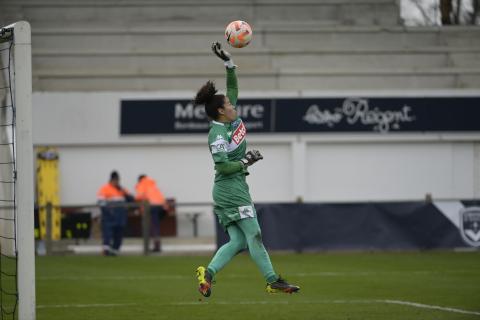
column 17, row 281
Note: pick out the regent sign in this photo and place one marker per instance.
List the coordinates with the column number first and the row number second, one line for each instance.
column 356, row 110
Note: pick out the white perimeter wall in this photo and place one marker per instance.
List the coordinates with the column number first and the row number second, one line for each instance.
column 317, row 167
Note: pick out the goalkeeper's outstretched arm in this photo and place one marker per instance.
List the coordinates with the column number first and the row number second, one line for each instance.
column 232, row 82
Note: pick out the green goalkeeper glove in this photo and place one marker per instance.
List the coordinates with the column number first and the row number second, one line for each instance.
column 251, row 157
column 224, row 55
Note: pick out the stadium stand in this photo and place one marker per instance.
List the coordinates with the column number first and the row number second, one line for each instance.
column 111, row 45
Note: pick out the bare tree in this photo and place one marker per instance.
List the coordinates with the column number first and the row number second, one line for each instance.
column 458, row 11
column 476, row 11
column 426, row 12
column 446, row 9
column 445, row 12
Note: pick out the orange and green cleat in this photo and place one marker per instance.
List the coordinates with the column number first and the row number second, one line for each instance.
column 281, row 286
column 204, row 281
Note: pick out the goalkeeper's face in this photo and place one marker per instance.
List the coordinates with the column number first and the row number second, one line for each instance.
column 228, row 111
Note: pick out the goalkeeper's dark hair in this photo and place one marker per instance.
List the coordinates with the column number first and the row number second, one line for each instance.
column 208, row 97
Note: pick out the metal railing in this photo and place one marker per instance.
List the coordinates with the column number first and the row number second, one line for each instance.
column 144, row 207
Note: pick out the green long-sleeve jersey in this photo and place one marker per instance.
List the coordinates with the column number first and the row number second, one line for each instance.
column 227, row 141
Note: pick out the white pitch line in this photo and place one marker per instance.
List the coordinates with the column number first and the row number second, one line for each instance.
column 398, row 302
column 266, row 302
column 93, row 305
column 97, row 278
column 427, row 306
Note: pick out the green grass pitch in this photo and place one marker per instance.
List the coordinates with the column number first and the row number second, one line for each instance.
column 419, row 285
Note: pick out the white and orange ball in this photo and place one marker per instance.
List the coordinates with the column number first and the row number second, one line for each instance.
column 238, row 34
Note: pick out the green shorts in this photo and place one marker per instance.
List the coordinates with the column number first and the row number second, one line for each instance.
column 232, row 200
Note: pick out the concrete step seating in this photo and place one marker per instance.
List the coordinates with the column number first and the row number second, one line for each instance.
column 308, row 44
column 295, row 79
column 275, row 64
column 146, row 59
column 181, row 12
column 302, row 38
column 204, row 61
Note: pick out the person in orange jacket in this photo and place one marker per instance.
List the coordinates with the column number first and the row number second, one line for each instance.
column 114, row 217
column 147, row 190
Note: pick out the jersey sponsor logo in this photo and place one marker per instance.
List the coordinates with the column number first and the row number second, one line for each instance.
column 219, row 145
column 239, row 134
column 246, row 212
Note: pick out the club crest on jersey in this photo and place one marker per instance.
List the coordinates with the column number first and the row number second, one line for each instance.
column 239, row 134
column 470, row 225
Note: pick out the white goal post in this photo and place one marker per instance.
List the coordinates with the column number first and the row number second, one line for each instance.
column 24, row 175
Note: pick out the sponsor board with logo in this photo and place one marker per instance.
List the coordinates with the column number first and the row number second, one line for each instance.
column 465, row 216
column 181, row 116
column 470, row 225
column 344, row 114
column 408, row 225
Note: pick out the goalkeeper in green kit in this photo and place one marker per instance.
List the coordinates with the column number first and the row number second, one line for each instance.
column 233, row 205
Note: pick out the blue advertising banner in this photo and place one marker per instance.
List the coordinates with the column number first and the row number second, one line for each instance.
column 296, row 115
column 378, row 114
column 181, row 116
column 412, row 225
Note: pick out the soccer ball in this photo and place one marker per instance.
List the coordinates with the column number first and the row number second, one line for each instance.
column 238, row 34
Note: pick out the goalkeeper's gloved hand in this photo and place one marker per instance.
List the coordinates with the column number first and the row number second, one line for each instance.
column 222, row 54
column 251, row 157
